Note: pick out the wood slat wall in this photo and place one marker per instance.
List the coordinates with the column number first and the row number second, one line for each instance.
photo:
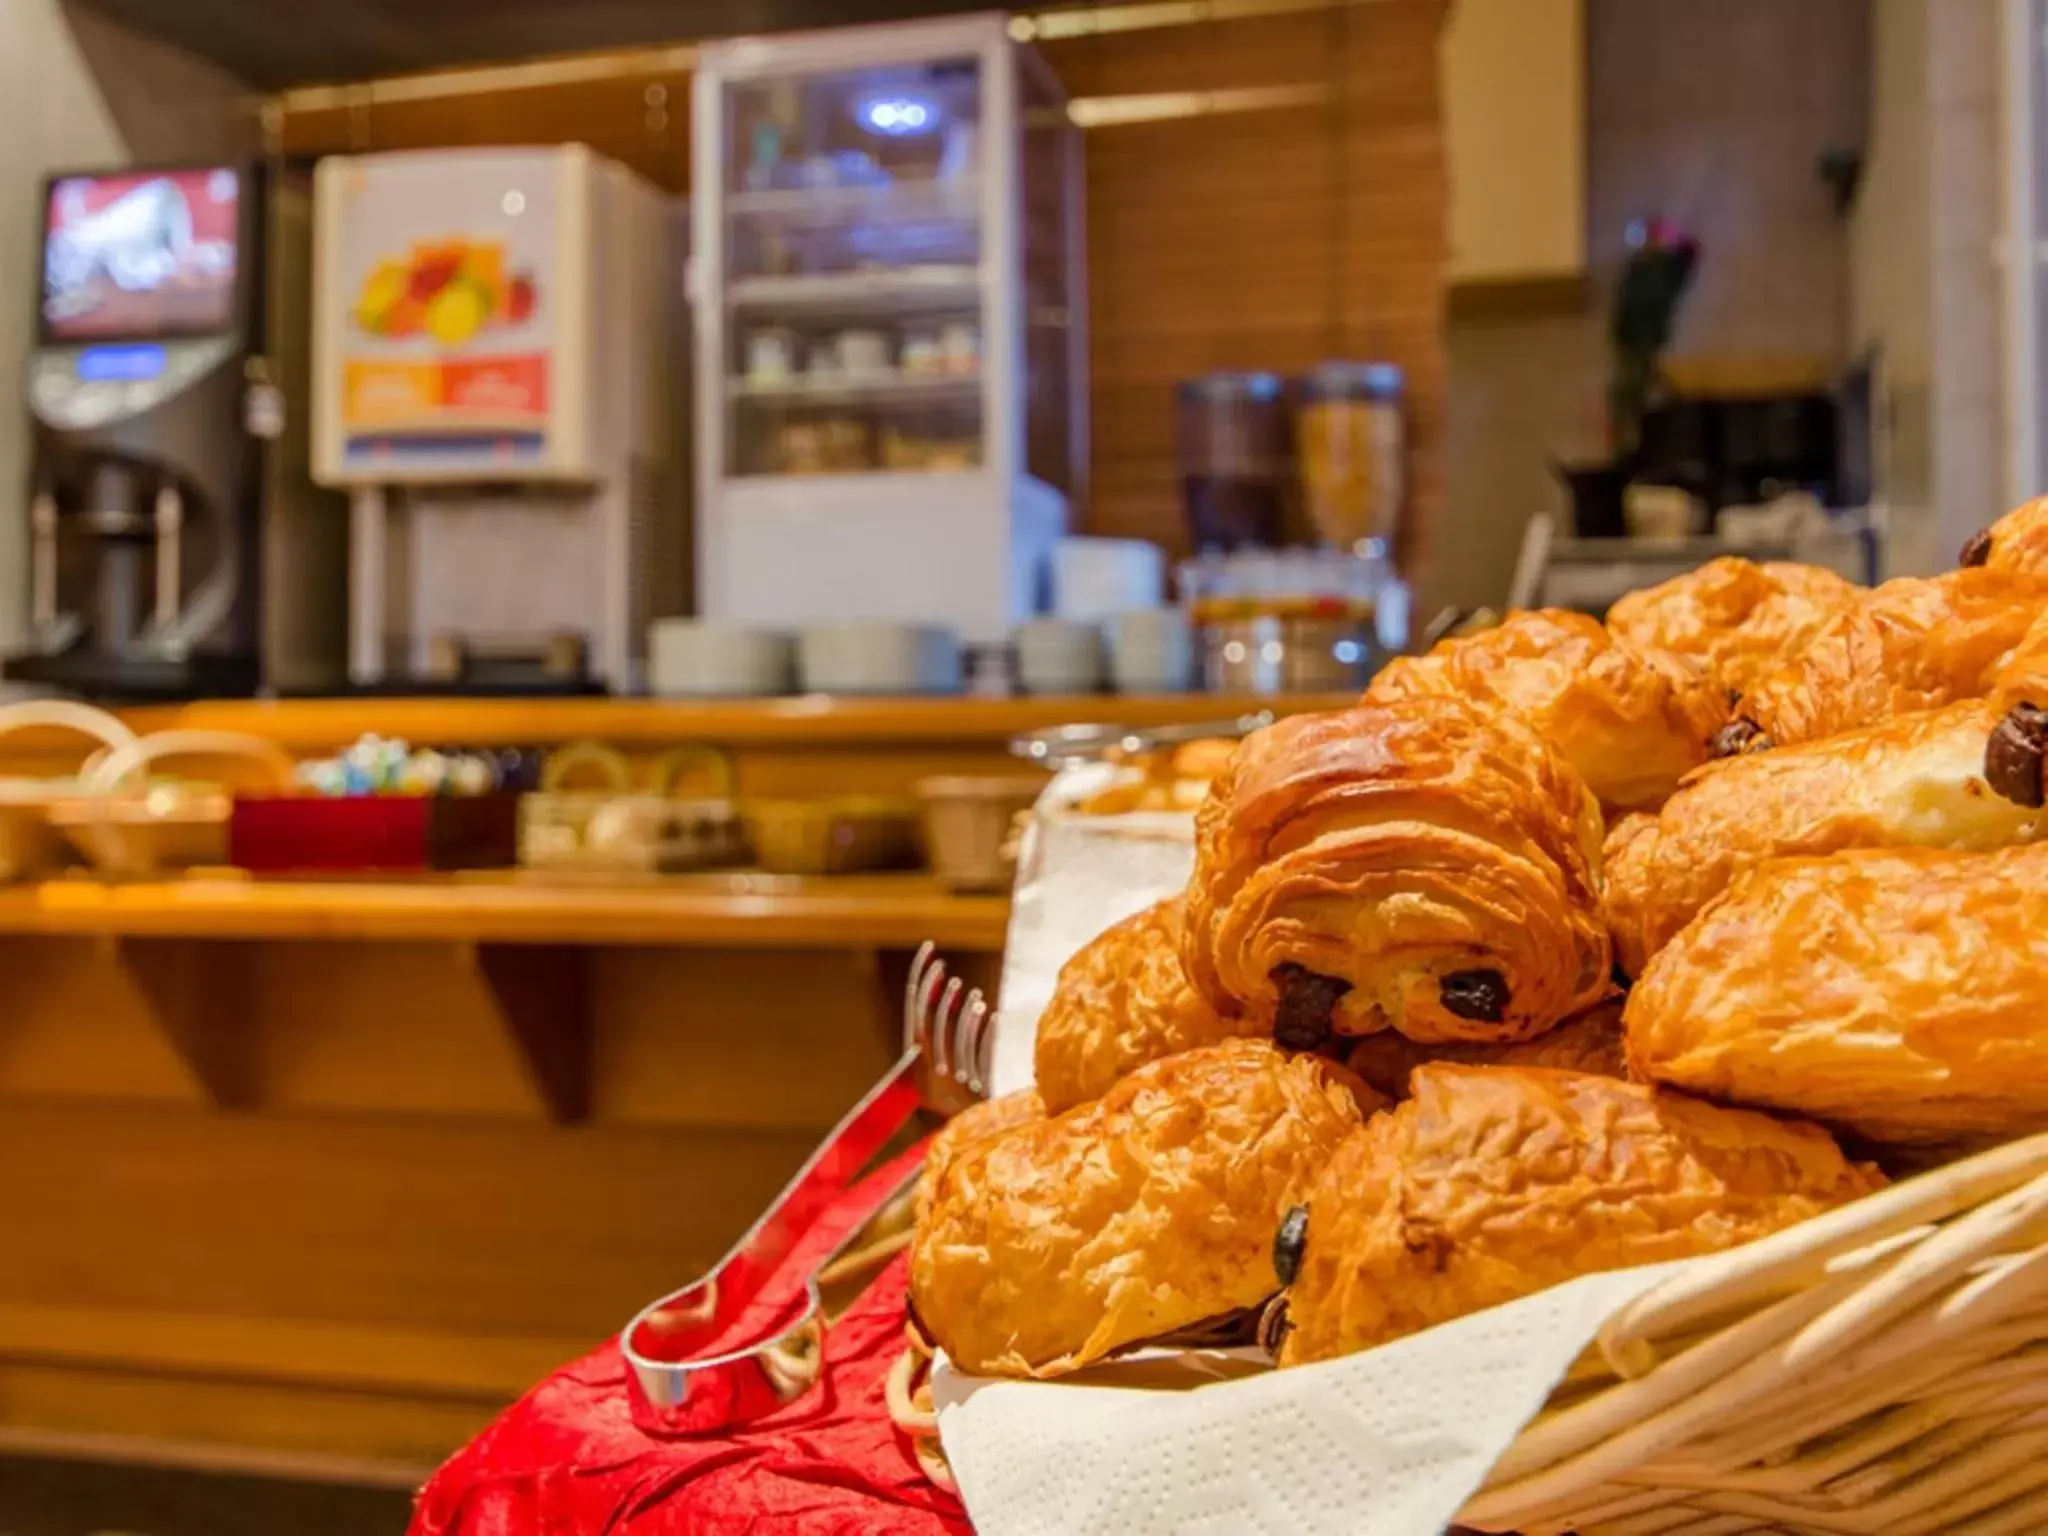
column 1271, row 238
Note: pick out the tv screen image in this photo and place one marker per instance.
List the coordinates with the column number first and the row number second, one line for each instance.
column 140, row 255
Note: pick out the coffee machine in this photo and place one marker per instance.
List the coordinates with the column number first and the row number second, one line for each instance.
column 177, row 546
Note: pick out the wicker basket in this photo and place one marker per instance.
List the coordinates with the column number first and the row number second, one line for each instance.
column 131, row 829
column 1882, row 1369
column 29, row 844
column 617, row 827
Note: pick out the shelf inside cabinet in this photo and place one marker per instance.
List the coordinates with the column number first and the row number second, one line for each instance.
column 930, row 198
column 899, row 289
column 877, row 388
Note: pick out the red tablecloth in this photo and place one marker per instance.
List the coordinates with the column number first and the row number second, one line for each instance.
column 568, row 1460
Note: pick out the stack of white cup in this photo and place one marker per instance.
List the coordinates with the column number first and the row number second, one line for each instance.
column 1152, row 650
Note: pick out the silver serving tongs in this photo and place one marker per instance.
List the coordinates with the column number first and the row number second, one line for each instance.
column 700, row 1359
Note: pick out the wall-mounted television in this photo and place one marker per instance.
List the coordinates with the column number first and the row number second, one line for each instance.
column 140, row 255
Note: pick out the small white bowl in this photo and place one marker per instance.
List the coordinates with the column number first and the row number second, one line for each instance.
column 877, row 657
column 693, row 658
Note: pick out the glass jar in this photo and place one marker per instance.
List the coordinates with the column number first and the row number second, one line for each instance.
column 1235, row 458
column 1353, row 438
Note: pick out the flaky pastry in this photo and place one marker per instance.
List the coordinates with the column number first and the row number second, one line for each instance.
column 1587, row 1042
column 2018, row 541
column 1428, row 865
column 1897, row 995
column 1916, row 782
column 1167, row 780
column 1738, row 619
column 1492, row 1183
column 972, row 1126
column 1631, row 721
column 1912, row 644
column 1146, row 1212
column 1121, row 1001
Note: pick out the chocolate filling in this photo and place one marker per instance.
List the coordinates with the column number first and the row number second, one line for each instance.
column 1976, row 549
column 1288, row 1243
column 1481, row 996
column 1307, row 999
column 2012, row 757
column 1274, row 1326
column 1738, row 736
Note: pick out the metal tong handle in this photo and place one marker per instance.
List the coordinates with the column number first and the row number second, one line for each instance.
column 693, row 1366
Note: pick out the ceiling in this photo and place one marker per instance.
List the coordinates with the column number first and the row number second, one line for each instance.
column 321, row 41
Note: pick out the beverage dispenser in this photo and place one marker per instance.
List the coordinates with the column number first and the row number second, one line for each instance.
column 173, row 550
column 492, row 387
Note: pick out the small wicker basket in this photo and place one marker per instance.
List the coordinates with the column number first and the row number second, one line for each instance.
column 29, row 845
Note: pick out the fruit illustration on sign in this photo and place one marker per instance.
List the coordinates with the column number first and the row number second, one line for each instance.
column 451, row 290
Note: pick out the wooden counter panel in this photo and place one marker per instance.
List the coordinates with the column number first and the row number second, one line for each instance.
column 704, row 911
column 471, row 1229
column 319, row 725
column 338, row 1434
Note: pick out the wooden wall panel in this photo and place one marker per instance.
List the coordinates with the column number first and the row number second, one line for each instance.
column 1272, row 237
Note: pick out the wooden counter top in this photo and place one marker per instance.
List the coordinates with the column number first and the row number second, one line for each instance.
column 305, row 725
column 700, row 911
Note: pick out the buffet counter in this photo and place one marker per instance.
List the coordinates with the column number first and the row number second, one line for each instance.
column 314, row 1175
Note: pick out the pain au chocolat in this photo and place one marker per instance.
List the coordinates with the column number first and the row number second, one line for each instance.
column 1633, row 722
column 1426, row 865
column 1918, row 781
column 1740, row 620
column 1492, row 1183
column 1145, row 1213
column 1899, row 995
column 1121, row 1001
column 2018, row 541
column 1912, row 644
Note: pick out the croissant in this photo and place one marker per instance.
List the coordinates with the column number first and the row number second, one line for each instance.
column 972, row 1126
column 1145, row 1213
column 1426, row 865
column 1588, row 1042
column 1121, row 1001
column 1492, row 1183
column 1740, row 620
column 2018, row 541
column 1921, row 781
column 1632, row 722
column 1912, row 644
column 1896, row 995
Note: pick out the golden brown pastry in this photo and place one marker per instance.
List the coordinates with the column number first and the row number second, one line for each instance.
column 1911, row 644
column 1173, row 780
column 1632, row 722
column 1916, row 782
column 972, row 1126
column 1427, row 865
column 1740, row 620
column 1588, row 1042
column 1899, row 995
column 1144, row 1213
column 2018, row 541
column 1122, row 1001
column 1492, row 1183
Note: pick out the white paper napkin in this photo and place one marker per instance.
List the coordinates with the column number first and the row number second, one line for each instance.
column 1391, row 1442
column 1075, row 876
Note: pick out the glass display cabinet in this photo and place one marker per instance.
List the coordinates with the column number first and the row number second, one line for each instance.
column 890, row 414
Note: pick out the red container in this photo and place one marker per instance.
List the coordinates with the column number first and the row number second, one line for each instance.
column 275, row 834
